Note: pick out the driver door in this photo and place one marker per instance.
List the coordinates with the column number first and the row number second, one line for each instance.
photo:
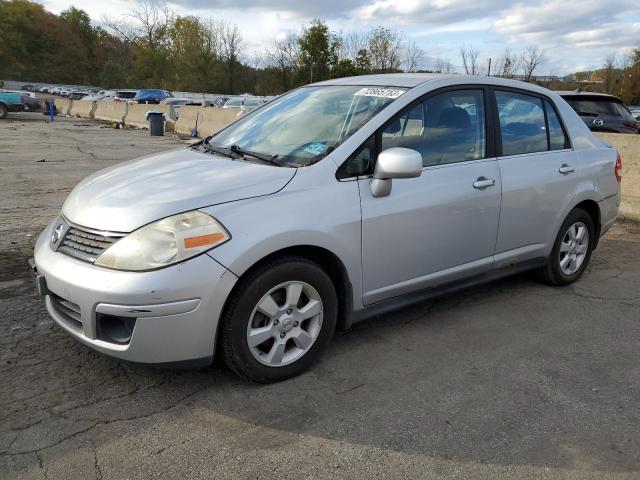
column 441, row 226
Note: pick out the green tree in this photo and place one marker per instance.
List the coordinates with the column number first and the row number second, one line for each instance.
column 38, row 46
column 344, row 68
column 318, row 51
column 385, row 50
column 630, row 86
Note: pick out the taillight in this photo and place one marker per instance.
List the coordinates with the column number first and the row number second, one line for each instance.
column 618, row 168
column 635, row 125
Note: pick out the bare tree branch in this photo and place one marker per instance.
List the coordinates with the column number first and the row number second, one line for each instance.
column 531, row 58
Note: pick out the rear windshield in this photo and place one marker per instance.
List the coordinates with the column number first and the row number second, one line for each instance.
column 595, row 107
column 126, row 94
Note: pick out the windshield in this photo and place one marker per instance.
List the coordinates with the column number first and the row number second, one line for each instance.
column 304, row 126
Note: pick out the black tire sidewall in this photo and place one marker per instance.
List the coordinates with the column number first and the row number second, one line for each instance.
column 3, row 111
column 235, row 321
column 576, row 215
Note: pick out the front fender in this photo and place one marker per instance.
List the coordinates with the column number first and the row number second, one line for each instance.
column 326, row 216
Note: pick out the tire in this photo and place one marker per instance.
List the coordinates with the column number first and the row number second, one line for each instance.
column 260, row 309
column 3, row 111
column 554, row 272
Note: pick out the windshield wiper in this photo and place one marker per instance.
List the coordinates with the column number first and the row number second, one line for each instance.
column 271, row 159
column 219, row 150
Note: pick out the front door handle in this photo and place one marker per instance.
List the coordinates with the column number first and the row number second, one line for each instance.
column 484, row 182
column 564, row 169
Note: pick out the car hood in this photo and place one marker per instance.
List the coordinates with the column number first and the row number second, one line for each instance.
column 126, row 196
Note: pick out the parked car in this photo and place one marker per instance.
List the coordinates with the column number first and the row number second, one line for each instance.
column 219, row 101
column 11, row 102
column 78, row 94
column 602, row 112
column 101, row 95
column 635, row 111
column 175, row 101
column 124, row 95
column 31, row 104
column 251, row 104
column 234, row 103
column 27, row 87
column 335, row 202
column 152, row 96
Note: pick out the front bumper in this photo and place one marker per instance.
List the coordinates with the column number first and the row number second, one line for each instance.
column 176, row 309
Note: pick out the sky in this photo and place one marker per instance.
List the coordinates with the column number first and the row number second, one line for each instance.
column 576, row 35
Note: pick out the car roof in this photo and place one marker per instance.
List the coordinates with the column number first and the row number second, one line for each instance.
column 396, row 79
column 411, row 80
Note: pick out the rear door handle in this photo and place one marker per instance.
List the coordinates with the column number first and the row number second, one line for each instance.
column 484, row 182
column 564, row 169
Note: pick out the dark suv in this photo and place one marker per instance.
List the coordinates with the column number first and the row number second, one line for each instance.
column 601, row 112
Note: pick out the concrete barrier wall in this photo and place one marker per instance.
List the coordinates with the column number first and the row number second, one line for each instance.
column 136, row 115
column 214, row 119
column 82, row 108
column 210, row 119
column 187, row 119
column 110, row 111
column 63, row 105
column 629, row 148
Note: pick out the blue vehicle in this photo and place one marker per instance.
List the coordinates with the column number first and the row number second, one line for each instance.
column 11, row 102
column 152, row 96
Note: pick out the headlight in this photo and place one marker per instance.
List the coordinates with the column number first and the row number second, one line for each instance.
column 165, row 242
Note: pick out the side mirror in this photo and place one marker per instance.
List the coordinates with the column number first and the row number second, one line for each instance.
column 392, row 163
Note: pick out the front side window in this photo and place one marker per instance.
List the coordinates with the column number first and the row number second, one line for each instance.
column 445, row 128
column 522, row 123
column 302, row 127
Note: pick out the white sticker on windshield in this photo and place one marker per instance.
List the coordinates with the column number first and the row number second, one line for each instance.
column 379, row 92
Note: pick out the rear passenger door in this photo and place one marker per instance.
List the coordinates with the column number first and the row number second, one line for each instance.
column 441, row 226
column 537, row 166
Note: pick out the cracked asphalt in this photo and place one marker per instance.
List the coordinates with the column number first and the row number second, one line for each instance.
column 510, row 380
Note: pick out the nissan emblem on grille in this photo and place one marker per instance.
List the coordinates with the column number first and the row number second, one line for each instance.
column 58, row 233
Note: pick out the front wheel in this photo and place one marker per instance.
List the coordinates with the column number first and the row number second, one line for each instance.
column 279, row 320
column 571, row 251
column 3, row 111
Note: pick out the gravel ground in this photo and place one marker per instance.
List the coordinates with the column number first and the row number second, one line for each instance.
column 509, row 380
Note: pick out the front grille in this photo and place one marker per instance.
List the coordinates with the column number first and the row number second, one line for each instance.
column 86, row 244
column 69, row 311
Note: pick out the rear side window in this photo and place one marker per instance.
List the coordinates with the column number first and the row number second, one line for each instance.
column 522, row 123
column 557, row 138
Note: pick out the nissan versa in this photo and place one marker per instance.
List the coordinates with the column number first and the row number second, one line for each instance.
column 334, row 202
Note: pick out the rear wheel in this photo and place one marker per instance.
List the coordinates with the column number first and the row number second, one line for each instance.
column 279, row 320
column 571, row 251
column 3, row 110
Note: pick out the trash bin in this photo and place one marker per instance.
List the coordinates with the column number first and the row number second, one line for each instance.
column 156, row 123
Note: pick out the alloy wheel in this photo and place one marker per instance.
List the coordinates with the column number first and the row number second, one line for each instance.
column 285, row 323
column 573, row 248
